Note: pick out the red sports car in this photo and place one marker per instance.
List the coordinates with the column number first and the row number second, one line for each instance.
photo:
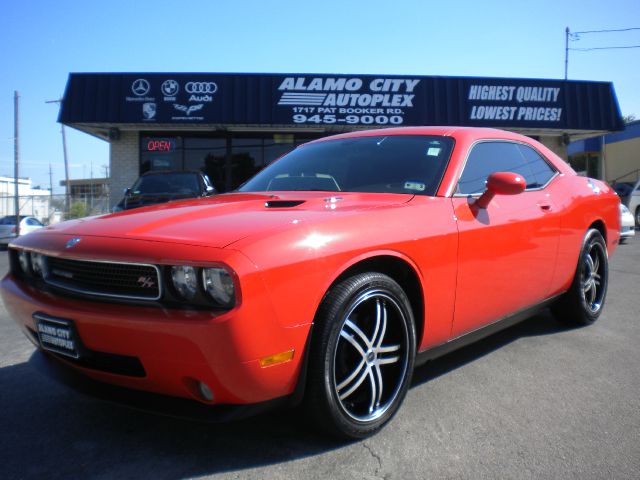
column 325, row 278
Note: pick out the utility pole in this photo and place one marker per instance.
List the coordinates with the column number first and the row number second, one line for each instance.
column 106, row 177
column 16, row 156
column 67, row 198
column 566, row 52
column 50, row 182
column 91, row 185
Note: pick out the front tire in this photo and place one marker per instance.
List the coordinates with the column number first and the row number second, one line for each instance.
column 362, row 356
column 583, row 303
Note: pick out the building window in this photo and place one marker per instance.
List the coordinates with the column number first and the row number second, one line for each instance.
column 586, row 164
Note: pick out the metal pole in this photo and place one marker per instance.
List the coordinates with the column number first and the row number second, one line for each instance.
column 16, row 156
column 67, row 201
column 50, row 182
column 566, row 52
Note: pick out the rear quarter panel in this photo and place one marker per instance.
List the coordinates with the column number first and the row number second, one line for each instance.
column 583, row 203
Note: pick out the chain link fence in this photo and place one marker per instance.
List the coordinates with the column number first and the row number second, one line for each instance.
column 50, row 209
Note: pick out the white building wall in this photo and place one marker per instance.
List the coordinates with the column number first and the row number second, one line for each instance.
column 33, row 201
column 556, row 145
column 124, row 163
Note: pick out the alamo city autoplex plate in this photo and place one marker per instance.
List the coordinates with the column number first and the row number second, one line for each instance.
column 57, row 335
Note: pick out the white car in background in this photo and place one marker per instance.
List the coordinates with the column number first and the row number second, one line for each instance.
column 627, row 224
column 8, row 228
column 629, row 193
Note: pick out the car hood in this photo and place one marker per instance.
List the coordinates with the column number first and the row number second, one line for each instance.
column 224, row 219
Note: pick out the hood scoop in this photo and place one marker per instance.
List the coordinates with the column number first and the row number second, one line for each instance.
column 283, row 203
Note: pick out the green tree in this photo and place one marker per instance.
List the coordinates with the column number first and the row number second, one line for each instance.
column 77, row 210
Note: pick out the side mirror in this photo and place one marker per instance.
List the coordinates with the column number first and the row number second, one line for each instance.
column 501, row 183
column 127, row 192
column 210, row 190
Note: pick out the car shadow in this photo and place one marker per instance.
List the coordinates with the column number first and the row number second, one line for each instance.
column 49, row 430
column 541, row 324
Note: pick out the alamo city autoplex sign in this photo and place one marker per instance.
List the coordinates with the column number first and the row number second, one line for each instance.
column 338, row 100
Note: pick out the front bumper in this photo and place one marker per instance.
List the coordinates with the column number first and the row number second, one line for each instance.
column 163, row 405
column 176, row 348
column 627, row 231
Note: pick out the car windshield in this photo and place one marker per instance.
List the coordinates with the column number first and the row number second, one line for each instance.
column 411, row 164
column 166, row 183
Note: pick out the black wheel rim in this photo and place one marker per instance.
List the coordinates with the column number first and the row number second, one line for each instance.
column 594, row 279
column 371, row 356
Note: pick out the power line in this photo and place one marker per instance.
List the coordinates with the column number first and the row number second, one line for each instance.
column 575, row 36
column 603, row 48
column 607, row 31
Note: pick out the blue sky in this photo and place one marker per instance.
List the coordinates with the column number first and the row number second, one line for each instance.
column 43, row 41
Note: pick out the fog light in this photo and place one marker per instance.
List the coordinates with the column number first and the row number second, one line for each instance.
column 205, row 391
column 277, row 358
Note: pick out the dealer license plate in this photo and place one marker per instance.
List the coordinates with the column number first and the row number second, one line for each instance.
column 57, row 335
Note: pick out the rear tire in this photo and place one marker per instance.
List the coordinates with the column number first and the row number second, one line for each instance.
column 362, row 356
column 583, row 303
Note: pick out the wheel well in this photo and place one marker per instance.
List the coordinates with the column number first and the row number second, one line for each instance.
column 403, row 274
column 599, row 225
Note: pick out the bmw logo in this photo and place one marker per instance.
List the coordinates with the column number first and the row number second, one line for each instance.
column 170, row 88
column 72, row 242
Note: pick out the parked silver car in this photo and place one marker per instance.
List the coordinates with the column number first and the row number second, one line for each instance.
column 8, row 228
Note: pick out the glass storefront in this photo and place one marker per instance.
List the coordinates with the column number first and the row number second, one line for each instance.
column 228, row 160
column 586, row 164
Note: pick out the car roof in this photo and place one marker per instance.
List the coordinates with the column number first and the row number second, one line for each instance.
column 171, row 172
column 467, row 133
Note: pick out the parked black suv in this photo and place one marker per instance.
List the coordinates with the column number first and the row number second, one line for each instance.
column 160, row 187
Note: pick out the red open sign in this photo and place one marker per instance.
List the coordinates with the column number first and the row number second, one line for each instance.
column 160, row 145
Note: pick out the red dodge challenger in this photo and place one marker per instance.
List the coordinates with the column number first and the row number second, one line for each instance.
column 324, row 279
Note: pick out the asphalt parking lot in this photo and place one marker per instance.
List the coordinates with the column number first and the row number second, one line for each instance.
column 538, row 400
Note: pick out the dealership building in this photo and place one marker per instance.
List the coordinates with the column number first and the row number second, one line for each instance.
column 231, row 125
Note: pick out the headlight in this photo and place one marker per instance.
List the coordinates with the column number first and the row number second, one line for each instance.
column 185, row 281
column 23, row 257
column 624, row 209
column 219, row 285
column 38, row 264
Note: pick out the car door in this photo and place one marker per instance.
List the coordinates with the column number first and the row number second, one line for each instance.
column 507, row 251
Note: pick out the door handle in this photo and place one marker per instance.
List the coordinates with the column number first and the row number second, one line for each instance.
column 545, row 207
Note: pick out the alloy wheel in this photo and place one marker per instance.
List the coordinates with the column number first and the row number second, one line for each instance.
column 371, row 356
column 593, row 276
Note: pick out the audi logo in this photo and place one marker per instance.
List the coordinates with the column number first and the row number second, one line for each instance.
column 201, row 87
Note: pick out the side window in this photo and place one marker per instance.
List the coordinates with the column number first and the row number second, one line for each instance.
column 32, row 222
column 540, row 169
column 489, row 157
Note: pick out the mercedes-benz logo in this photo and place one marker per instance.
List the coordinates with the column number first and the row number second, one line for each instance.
column 72, row 242
column 170, row 88
column 140, row 87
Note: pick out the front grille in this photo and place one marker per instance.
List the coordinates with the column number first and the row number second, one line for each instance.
column 106, row 279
